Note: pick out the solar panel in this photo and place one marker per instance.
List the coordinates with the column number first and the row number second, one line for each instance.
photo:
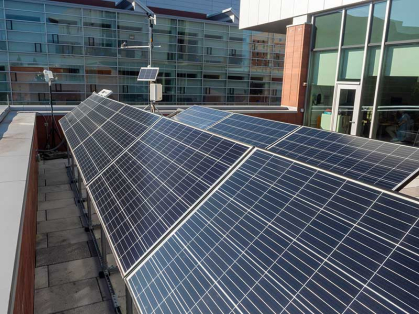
column 148, row 74
column 201, row 117
column 383, row 164
column 252, row 130
column 155, row 182
column 282, row 237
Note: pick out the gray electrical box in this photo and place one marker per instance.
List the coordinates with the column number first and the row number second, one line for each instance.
column 156, row 92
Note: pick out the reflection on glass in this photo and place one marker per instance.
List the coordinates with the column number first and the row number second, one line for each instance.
column 322, row 86
column 404, row 22
column 356, row 26
column 378, row 22
column 368, row 89
column 345, row 111
column 399, row 96
column 328, row 30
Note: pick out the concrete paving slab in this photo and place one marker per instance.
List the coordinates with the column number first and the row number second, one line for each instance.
column 68, row 237
column 53, row 176
column 41, row 241
column 105, row 307
column 54, row 188
column 65, row 212
column 41, row 215
column 55, row 170
column 56, row 181
column 59, row 224
column 73, row 271
column 67, row 296
column 52, row 196
column 123, row 304
column 41, row 197
column 56, row 204
column 41, row 183
column 413, row 192
column 62, row 253
column 52, row 166
column 41, row 277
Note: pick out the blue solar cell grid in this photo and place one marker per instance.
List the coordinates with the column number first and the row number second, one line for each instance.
column 156, row 182
column 280, row 237
column 253, row 131
column 201, row 117
column 378, row 163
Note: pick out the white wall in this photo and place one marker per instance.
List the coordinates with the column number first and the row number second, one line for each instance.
column 260, row 12
column 198, row 6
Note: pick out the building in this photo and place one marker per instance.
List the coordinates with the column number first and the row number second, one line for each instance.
column 351, row 65
column 204, row 57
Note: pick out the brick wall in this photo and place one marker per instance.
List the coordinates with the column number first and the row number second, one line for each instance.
column 42, row 130
column 25, row 286
column 297, row 53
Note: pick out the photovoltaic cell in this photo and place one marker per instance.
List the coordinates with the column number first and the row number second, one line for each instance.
column 156, row 182
column 383, row 164
column 148, row 74
column 253, row 131
column 201, row 117
column 281, row 237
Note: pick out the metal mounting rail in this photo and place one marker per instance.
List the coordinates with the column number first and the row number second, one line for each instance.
column 86, row 219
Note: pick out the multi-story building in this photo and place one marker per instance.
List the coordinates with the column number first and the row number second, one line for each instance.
column 351, row 64
column 202, row 60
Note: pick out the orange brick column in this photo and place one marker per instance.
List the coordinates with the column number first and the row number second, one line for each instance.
column 297, row 52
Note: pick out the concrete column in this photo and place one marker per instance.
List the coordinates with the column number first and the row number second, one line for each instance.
column 297, row 53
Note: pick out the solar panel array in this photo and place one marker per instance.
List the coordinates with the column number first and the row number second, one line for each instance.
column 144, row 172
column 202, row 224
column 281, row 237
column 383, row 164
column 379, row 163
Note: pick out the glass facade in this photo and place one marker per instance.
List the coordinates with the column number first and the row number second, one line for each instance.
column 201, row 62
column 384, row 72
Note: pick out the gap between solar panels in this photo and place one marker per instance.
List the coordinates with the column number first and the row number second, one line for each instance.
column 386, row 165
column 160, row 201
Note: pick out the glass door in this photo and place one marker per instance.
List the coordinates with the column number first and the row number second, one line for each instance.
column 346, row 110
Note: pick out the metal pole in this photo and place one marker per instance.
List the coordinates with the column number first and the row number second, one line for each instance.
column 72, row 168
column 104, row 249
column 68, row 156
column 79, row 184
column 52, row 116
column 89, row 211
column 128, row 299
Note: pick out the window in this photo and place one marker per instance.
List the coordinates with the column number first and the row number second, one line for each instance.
column 322, row 88
column 209, row 50
column 92, row 88
column 398, row 102
column 356, row 26
column 207, row 90
column 38, row 48
column 182, row 90
column 404, row 22
column 125, row 89
column 13, row 77
column 42, row 97
column 233, row 52
column 9, row 25
column 351, row 64
column 91, row 41
column 171, row 56
column 378, row 22
column 231, row 91
column 328, row 30
column 55, row 38
column 58, row 87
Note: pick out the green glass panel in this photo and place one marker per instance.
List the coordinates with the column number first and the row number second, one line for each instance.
column 378, row 22
column 402, row 61
column 398, row 102
column 328, row 30
column 404, row 21
column 356, row 26
column 351, row 65
column 324, row 69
